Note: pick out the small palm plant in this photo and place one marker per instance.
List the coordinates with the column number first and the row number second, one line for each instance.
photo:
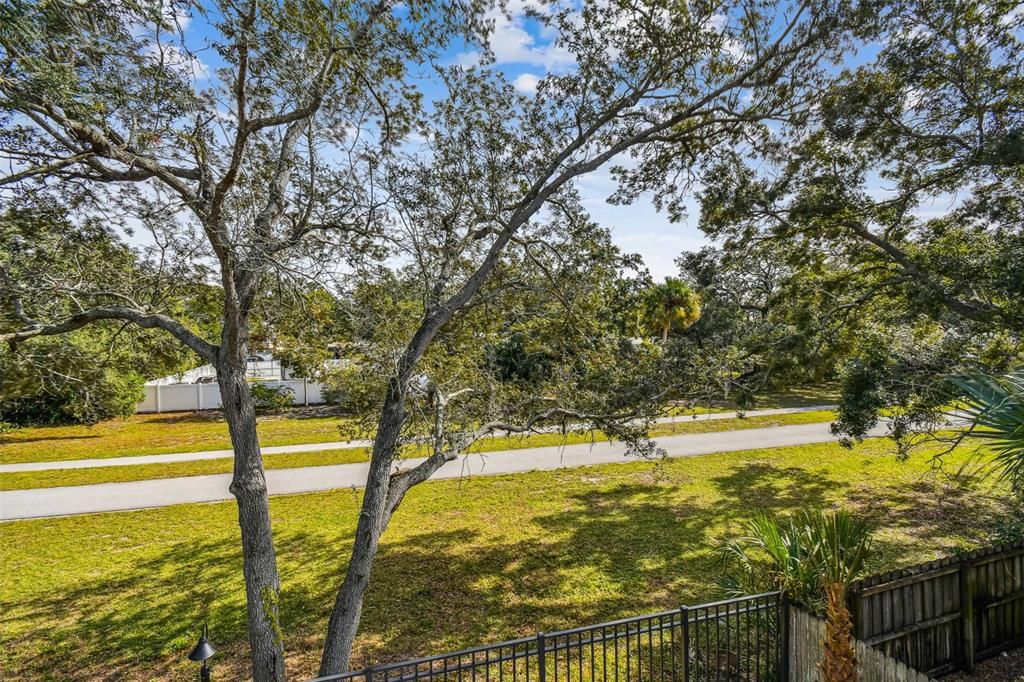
column 841, row 548
column 995, row 405
column 814, row 558
column 773, row 555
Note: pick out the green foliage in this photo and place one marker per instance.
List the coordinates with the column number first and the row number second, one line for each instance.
column 272, row 398
column 355, row 387
column 302, row 325
column 97, row 371
column 890, row 293
column 516, row 362
column 671, row 304
column 803, row 555
column 995, row 404
column 898, row 372
column 90, row 398
column 1008, row 527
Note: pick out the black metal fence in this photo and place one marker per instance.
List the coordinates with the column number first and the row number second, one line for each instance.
column 737, row 640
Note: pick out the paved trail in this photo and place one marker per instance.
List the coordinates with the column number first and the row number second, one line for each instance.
column 43, row 502
column 132, row 460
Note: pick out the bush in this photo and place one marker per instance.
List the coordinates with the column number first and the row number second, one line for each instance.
column 356, row 388
column 272, row 398
column 109, row 394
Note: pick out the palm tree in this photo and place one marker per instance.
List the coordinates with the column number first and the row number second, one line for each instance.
column 814, row 558
column 842, row 544
column 671, row 303
column 995, row 405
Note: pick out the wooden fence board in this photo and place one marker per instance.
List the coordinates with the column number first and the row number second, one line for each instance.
column 805, row 652
column 944, row 614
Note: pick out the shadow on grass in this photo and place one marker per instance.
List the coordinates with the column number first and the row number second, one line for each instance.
column 141, row 621
column 930, row 510
column 14, row 440
column 608, row 551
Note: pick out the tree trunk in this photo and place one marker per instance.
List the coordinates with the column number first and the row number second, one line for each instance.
column 839, row 662
column 259, row 562
column 373, row 520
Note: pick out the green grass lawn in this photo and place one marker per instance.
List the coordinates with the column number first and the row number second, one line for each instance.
column 120, row 596
column 141, row 472
column 154, row 434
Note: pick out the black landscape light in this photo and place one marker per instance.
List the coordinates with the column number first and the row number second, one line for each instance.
column 202, row 653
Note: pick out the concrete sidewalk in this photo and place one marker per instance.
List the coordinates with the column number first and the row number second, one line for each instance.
column 44, row 502
column 318, row 447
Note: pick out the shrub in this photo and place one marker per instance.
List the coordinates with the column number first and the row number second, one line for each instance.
column 355, row 387
column 103, row 396
column 272, row 398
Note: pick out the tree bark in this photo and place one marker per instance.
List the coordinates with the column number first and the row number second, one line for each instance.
column 259, row 562
column 373, row 520
column 839, row 659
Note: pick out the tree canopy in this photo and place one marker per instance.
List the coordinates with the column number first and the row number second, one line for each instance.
column 895, row 210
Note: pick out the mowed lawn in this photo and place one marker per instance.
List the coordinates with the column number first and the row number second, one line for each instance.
column 120, row 596
column 114, row 474
column 155, row 434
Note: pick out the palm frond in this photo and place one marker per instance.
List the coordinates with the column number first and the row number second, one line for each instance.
column 995, row 406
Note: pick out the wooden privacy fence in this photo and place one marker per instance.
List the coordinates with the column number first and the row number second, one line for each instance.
column 945, row 614
column 806, row 633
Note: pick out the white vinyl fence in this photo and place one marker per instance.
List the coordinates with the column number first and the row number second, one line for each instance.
column 188, row 397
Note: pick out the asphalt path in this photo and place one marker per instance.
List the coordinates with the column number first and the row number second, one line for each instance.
column 105, row 497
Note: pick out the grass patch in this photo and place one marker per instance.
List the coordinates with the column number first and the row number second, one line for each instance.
column 121, row 596
column 812, row 395
column 157, row 434
column 800, row 396
column 144, row 472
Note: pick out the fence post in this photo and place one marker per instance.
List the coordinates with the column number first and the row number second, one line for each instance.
column 369, row 674
column 685, row 612
column 541, row 671
column 158, row 406
column 967, row 585
column 784, row 637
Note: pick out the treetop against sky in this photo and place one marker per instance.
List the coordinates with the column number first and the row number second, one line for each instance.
column 523, row 45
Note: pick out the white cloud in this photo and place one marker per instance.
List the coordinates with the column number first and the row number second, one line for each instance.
column 467, row 59
column 526, row 83
column 512, row 43
column 639, row 227
column 660, row 247
column 719, row 23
